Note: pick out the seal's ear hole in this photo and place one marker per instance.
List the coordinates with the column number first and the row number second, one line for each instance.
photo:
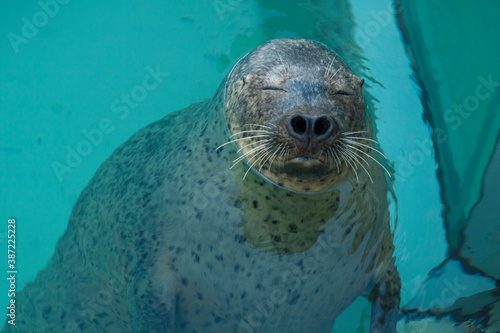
column 243, row 80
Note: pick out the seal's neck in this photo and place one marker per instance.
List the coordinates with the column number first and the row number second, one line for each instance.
column 278, row 220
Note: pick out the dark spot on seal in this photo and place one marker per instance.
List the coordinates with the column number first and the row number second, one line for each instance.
column 277, row 238
column 184, row 281
column 276, row 221
column 243, row 295
column 237, row 204
column 255, row 204
column 199, row 296
column 292, row 228
column 196, row 256
column 240, row 239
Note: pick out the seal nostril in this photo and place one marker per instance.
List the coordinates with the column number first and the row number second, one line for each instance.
column 322, row 126
column 298, row 124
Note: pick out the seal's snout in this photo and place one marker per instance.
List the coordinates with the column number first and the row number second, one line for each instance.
column 311, row 131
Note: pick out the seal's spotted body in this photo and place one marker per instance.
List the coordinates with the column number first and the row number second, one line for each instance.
column 167, row 238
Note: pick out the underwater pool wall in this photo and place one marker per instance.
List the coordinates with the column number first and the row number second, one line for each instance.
column 454, row 48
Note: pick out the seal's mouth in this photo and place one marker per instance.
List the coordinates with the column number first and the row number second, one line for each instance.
column 305, row 161
column 305, row 166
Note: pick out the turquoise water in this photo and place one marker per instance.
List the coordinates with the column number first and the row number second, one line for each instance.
column 67, row 80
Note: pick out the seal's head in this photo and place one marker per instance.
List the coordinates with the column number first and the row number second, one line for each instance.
column 297, row 114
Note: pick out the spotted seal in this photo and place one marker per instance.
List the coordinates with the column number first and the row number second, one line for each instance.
column 262, row 209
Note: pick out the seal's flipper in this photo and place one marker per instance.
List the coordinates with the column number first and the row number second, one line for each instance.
column 385, row 299
column 152, row 306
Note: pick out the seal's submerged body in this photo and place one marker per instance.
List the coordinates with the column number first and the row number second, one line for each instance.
column 176, row 234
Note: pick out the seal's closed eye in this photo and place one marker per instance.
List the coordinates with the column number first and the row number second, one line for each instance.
column 344, row 92
column 272, row 88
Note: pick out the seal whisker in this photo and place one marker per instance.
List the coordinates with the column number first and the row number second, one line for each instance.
column 252, row 151
column 330, row 66
column 274, row 156
column 366, row 139
column 251, row 131
column 320, row 153
column 368, row 164
column 334, row 74
column 361, row 138
column 270, row 123
column 346, row 159
column 357, row 132
column 356, row 158
column 249, row 137
column 371, row 158
column 351, row 151
column 282, row 150
column 253, row 143
column 261, row 154
column 257, row 125
column 282, row 155
column 337, row 159
column 268, row 154
column 283, row 63
column 328, row 157
column 363, row 145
